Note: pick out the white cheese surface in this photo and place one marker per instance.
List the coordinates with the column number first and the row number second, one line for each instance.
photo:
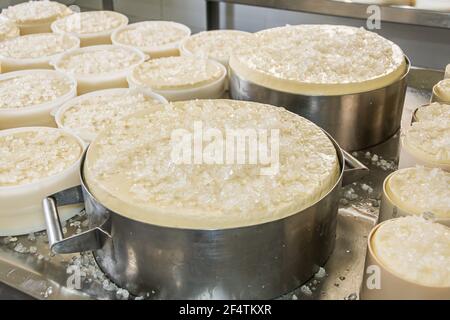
column 34, row 12
column 32, row 155
column 32, row 89
column 90, row 22
column 151, row 34
column 414, row 249
column 177, row 73
column 434, row 111
column 130, row 169
column 418, row 190
column 89, row 114
column 216, row 44
column 442, row 90
column 429, row 141
column 98, row 60
column 8, row 30
column 35, row 46
column 319, row 60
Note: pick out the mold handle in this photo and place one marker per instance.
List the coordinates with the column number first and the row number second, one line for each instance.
column 86, row 241
column 353, row 169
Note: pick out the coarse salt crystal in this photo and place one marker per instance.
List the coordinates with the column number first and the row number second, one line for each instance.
column 33, row 89
column 306, row 290
column 31, row 155
column 321, row 273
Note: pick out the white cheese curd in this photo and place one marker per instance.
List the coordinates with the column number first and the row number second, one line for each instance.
column 180, row 78
column 30, row 89
column 130, row 166
column 34, row 51
column 447, row 72
column 35, row 162
column 428, row 142
column 92, row 27
column 8, row 30
column 100, row 67
column 103, row 60
column 418, row 190
column 433, row 111
column 89, row 114
column 414, row 249
column 35, row 16
column 32, row 155
column 28, row 97
column 216, row 44
column 319, row 60
column 155, row 38
column 441, row 91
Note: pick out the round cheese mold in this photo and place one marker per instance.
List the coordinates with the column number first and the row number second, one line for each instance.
column 8, row 30
column 34, row 51
column 216, row 44
column 426, row 143
column 35, row 16
column 441, row 92
column 99, row 67
column 28, row 97
column 432, row 111
column 87, row 115
column 319, row 60
column 417, row 191
column 35, row 163
column 137, row 168
column 180, row 78
column 92, row 27
column 408, row 258
column 155, row 38
column 414, row 249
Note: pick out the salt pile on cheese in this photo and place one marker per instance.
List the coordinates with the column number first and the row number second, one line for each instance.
column 8, row 30
column 34, row 51
column 156, row 38
column 28, row 97
column 429, row 141
column 130, row 167
column 216, row 44
column 92, row 27
column 414, row 249
column 35, row 154
column 433, row 111
column 100, row 67
column 35, row 16
column 89, row 114
column 180, row 78
column 35, row 163
column 420, row 190
column 319, row 60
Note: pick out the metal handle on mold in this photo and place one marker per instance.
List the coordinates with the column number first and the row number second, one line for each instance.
column 356, row 170
column 86, row 241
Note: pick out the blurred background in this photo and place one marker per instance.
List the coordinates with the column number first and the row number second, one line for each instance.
column 426, row 46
